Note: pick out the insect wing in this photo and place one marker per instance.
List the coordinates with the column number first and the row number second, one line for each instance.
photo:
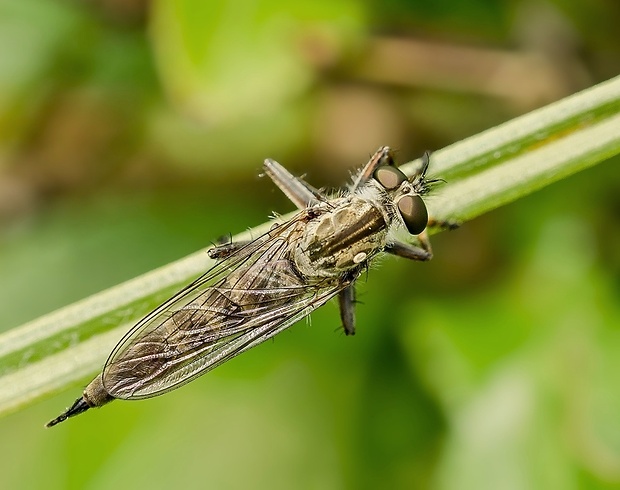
column 242, row 301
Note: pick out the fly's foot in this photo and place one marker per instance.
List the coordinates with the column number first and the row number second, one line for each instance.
column 447, row 224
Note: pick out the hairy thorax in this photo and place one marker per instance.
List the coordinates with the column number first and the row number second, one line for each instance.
column 341, row 238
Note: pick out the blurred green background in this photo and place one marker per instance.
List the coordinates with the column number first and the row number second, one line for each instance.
column 132, row 133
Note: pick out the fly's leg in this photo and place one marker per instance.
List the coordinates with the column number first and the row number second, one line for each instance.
column 423, row 253
column 302, row 194
column 225, row 250
column 383, row 156
column 346, row 300
column 443, row 224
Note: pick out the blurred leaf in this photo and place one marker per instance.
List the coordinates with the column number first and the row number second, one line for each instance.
column 37, row 27
column 224, row 61
column 534, row 411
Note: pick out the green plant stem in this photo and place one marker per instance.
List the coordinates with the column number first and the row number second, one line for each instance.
column 482, row 173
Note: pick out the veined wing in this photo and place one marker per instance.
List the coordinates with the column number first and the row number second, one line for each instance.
column 242, row 301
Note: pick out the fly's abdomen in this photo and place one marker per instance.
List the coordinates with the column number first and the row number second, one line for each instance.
column 174, row 346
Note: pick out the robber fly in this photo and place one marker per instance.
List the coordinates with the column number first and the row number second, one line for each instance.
column 260, row 287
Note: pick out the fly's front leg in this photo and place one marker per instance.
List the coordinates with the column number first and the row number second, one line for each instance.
column 302, row 194
column 346, row 300
column 383, row 156
column 423, row 253
column 443, row 224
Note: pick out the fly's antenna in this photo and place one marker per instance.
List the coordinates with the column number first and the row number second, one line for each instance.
column 419, row 180
column 426, row 161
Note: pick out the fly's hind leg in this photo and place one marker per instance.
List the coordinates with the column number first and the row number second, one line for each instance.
column 301, row 193
column 346, row 300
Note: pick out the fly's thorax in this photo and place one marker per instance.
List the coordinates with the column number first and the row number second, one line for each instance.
column 344, row 236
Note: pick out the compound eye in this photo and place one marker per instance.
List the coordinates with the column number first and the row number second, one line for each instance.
column 389, row 177
column 414, row 213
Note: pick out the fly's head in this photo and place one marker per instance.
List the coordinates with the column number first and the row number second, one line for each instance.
column 405, row 194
